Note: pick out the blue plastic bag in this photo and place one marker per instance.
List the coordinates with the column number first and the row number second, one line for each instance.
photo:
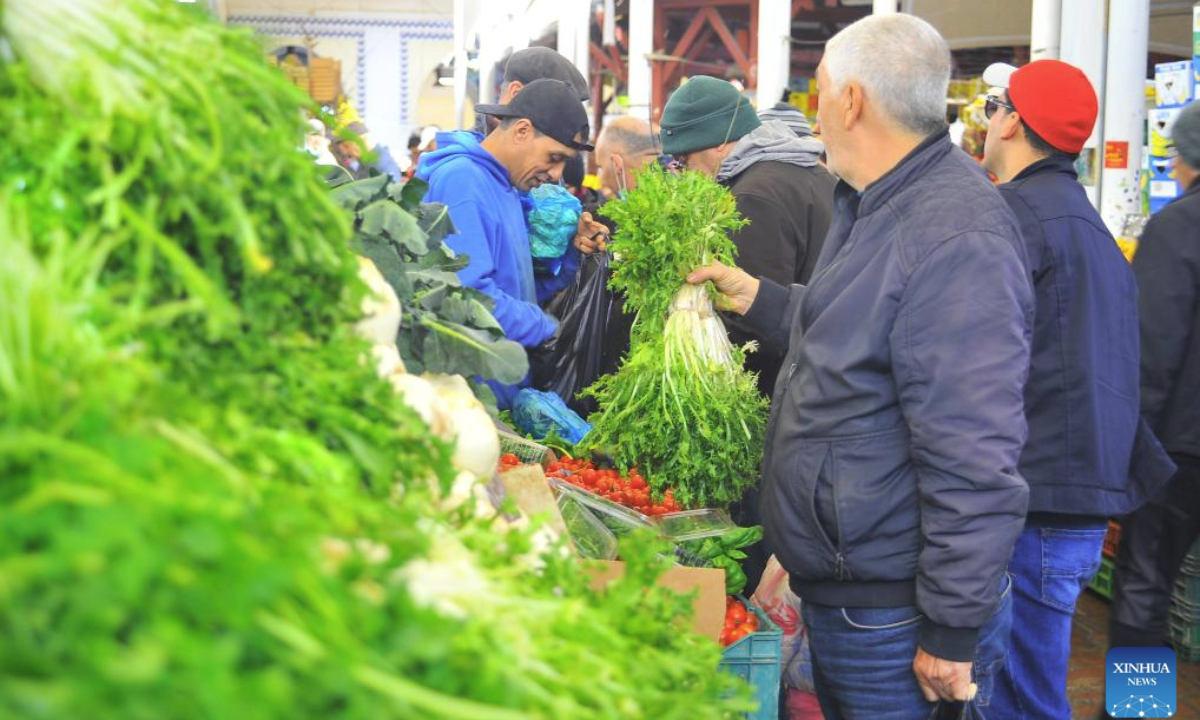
column 553, row 220
column 536, row 413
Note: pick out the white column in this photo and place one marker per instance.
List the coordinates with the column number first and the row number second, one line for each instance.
column 1045, row 24
column 460, row 61
column 774, row 49
column 1083, row 45
column 882, row 7
column 567, row 35
column 383, row 101
column 1124, row 110
column 583, row 37
column 641, row 44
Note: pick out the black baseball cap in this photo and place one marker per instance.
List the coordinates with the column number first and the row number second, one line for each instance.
column 553, row 108
column 539, row 63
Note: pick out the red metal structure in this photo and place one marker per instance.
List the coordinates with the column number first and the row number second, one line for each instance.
column 714, row 37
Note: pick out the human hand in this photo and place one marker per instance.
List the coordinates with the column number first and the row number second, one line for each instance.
column 591, row 236
column 737, row 287
column 943, row 679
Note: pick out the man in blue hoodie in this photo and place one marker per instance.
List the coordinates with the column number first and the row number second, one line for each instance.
column 482, row 180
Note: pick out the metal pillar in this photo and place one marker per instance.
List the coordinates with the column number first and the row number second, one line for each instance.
column 1124, row 110
column 1045, row 25
column 774, row 50
column 1083, row 45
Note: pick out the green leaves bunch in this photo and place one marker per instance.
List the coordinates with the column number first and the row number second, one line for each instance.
column 680, row 407
column 445, row 327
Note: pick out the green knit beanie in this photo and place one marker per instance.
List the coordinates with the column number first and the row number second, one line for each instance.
column 704, row 113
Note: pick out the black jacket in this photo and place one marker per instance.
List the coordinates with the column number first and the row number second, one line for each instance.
column 789, row 208
column 890, row 474
column 1167, row 266
column 1081, row 399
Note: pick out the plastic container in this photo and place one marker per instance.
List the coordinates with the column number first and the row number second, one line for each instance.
column 1112, row 539
column 527, row 451
column 1187, row 591
column 616, row 517
column 1183, row 631
column 589, row 536
column 694, row 524
column 1102, row 583
column 756, row 659
column 1191, row 563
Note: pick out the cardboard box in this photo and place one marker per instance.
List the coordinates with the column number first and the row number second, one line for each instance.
column 1173, row 84
column 1162, row 179
column 526, row 486
column 1157, row 204
column 1196, row 31
column 708, row 583
column 1161, row 121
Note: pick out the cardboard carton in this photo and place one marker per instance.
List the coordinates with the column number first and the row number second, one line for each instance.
column 1162, row 181
column 708, row 583
column 1161, row 120
column 1173, row 83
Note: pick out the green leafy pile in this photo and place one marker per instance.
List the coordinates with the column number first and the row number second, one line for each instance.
column 211, row 507
column 726, row 552
column 681, row 407
column 446, row 326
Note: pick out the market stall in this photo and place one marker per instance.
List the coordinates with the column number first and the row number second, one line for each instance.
column 245, row 473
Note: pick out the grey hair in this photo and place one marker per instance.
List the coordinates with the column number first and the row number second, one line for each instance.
column 902, row 63
column 633, row 135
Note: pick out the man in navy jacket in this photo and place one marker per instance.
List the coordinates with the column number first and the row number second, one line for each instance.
column 890, row 487
column 1081, row 399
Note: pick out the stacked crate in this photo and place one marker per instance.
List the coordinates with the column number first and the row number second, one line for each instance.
column 1102, row 583
column 1184, row 620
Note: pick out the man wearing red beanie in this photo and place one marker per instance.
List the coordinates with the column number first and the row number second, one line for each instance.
column 1088, row 456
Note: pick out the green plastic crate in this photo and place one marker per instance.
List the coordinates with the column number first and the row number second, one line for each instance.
column 756, row 659
column 1191, row 563
column 1103, row 582
column 1187, row 592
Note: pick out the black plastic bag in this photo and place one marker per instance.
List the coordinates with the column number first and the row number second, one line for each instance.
column 574, row 357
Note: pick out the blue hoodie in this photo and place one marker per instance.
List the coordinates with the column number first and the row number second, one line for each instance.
column 488, row 214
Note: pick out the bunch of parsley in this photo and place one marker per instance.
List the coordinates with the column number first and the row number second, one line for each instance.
column 688, row 417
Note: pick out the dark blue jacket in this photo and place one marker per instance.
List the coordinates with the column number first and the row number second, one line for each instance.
column 1081, row 400
column 490, row 222
column 890, row 475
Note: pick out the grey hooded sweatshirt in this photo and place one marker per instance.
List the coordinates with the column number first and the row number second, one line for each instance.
column 787, row 196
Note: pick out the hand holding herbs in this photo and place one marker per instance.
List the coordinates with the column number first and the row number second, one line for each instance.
column 681, row 406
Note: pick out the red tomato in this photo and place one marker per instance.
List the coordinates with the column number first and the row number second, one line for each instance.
column 737, row 634
column 736, row 613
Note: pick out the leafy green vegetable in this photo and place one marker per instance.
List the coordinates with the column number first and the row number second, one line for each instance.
column 725, row 552
column 445, row 327
column 681, row 407
column 210, row 507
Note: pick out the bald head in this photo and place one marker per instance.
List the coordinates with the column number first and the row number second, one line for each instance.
column 626, row 145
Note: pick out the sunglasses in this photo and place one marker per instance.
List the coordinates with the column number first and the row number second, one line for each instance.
column 993, row 102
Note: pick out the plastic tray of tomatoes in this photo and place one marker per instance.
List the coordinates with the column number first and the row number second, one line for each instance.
column 616, row 517
column 630, row 491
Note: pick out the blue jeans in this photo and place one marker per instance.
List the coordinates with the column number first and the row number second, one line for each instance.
column 1050, row 567
column 862, row 661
